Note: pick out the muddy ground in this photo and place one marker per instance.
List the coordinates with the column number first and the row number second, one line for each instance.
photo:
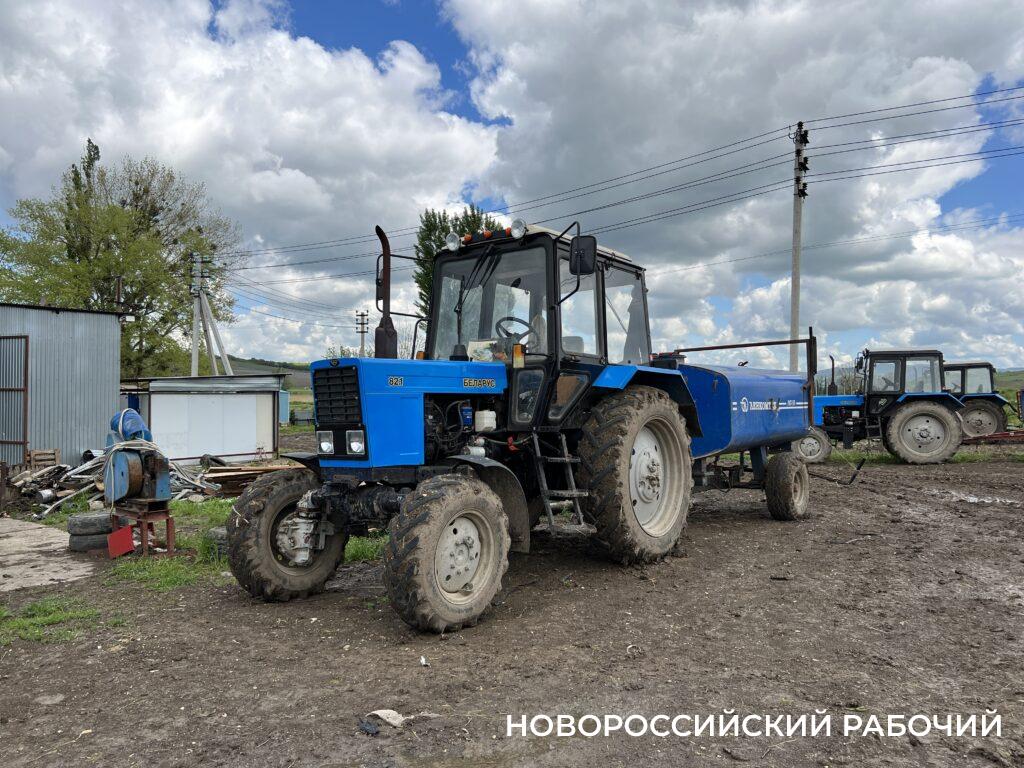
column 902, row 594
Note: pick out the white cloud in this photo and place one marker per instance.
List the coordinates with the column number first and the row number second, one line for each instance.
column 300, row 143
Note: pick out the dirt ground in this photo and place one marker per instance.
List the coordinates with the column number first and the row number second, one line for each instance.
column 902, row 594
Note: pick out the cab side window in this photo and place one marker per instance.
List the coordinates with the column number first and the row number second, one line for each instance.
column 885, row 376
column 979, row 380
column 579, row 312
column 625, row 320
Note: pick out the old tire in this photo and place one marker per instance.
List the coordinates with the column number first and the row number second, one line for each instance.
column 982, row 417
column 447, row 553
column 216, row 541
column 87, row 542
column 255, row 555
column 924, row 432
column 814, row 447
column 89, row 523
column 635, row 462
column 787, row 487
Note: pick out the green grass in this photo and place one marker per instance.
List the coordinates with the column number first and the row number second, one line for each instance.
column 58, row 518
column 300, row 397
column 162, row 574
column 50, row 620
column 297, row 429
column 196, row 561
column 869, row 457
column 365, row 548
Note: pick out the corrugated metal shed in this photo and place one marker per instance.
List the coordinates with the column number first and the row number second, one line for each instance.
column 74, row 368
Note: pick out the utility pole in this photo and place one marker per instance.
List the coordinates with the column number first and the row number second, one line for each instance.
column 196, row 312
column 202, row 313
column 800, row 165
column 362, row 323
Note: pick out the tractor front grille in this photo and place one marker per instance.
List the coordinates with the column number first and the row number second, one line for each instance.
column 336, row 396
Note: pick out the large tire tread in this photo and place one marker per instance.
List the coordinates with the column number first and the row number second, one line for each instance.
column 940, row 412
column 602, row 448
column 249, row 554
column 408, row 558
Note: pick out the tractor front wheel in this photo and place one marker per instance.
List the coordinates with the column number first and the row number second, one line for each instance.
column 635, row 462
column 447, row 553
column 982, row 417
column 814, row 447
column 924, row 432
column 266, row 551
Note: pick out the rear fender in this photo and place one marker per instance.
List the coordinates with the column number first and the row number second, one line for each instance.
column 992, row 397
column 669, row 381
column 943, row 398
column 506, row 485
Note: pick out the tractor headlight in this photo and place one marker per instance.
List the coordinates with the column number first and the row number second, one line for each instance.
column 518, row 228
column 452, row 241
column 325, row 442
column 355, row 439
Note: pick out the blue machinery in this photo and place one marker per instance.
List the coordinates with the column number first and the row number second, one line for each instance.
column 518, row 412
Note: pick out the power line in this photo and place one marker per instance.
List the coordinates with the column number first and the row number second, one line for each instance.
column 762, row 164
column 917, row 104
column 913, row 114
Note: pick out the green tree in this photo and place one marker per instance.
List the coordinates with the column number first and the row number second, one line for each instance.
column 128, row 228
column 434, row 227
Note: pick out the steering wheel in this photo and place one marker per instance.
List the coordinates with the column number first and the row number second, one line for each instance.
column 889, row 383
column 517, row 338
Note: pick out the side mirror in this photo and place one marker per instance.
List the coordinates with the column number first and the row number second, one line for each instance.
column 583, row 255
column 860, row 365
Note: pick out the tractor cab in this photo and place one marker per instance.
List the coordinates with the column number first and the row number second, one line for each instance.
column 984, row 409
column 970, row 378
column 555, row 311
column 889, row 375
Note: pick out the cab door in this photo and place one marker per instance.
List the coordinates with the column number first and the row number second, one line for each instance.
column 885, row 384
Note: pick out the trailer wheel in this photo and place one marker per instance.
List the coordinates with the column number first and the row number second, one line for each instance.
column 924, row 432
column 787, row 487
column 814, row 447
column 259, row 555
column 635, row 462
column 447, row 553
column 982, row 417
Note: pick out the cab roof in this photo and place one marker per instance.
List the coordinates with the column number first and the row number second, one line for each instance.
column 499, row 236
column 904, row 352
column 968, row 364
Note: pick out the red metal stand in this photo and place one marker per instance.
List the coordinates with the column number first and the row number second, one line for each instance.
column 144, row 522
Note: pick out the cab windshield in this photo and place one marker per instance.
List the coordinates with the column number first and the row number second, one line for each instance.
column 490, row 301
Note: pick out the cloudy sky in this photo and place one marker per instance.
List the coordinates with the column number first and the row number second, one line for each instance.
column 311, row 122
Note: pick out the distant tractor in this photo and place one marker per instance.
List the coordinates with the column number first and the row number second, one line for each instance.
column 984, row 409
column 901, row 401
column 536, row 395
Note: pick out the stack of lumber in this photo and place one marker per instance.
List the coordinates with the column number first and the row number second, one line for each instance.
column 233, row 479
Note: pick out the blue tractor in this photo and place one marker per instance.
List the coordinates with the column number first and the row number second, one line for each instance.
column 536, row 393
column 984, row 409
column 899, row 399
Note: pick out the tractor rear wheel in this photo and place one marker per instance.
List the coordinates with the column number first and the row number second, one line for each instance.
column 447, row 553
column 924, row 432
column 982, row 417
column 261, row 551
column 814, row 447
column 635, row 462
column 787, row 487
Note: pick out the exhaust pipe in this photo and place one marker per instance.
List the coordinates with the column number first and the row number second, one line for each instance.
column 385, row 337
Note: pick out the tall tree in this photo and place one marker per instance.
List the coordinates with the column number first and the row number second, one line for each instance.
column 131, row 227
column 434, row 227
